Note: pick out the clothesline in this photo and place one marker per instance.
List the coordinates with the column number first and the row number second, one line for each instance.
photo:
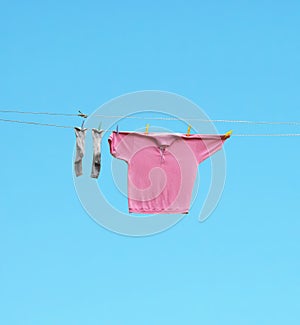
column 156, row 118
column 200, row 120
column 110, row 130
column 38, row 113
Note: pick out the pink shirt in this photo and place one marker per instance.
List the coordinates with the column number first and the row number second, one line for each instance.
column 162, row 167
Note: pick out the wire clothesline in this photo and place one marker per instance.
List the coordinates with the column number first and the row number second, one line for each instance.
column 199, row 119
column 110, row 130
column 38, row 113
column 80, row 114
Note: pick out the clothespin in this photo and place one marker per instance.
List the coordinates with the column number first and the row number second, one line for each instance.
column 189, row 130
column 99, row 127
column 82, row 115
column 117, row 129
column 228, row 134
column 147, row 128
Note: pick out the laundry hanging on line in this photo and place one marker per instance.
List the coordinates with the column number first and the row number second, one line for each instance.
column 162, row 167
column 80, row 151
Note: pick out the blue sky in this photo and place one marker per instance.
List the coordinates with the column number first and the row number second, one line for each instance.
column 236, row 60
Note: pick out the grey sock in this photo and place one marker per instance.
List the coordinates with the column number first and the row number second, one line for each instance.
column 80, row 149
column 97, row 138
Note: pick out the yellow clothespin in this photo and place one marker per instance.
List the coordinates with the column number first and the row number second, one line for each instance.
column 189, row 130
column 228, row 134
column 147, row 128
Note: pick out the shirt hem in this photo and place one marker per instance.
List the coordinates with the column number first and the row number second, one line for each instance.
column 153, row 211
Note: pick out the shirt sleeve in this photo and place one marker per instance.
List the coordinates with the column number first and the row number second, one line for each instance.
column 206, row 145
column 120, row 145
